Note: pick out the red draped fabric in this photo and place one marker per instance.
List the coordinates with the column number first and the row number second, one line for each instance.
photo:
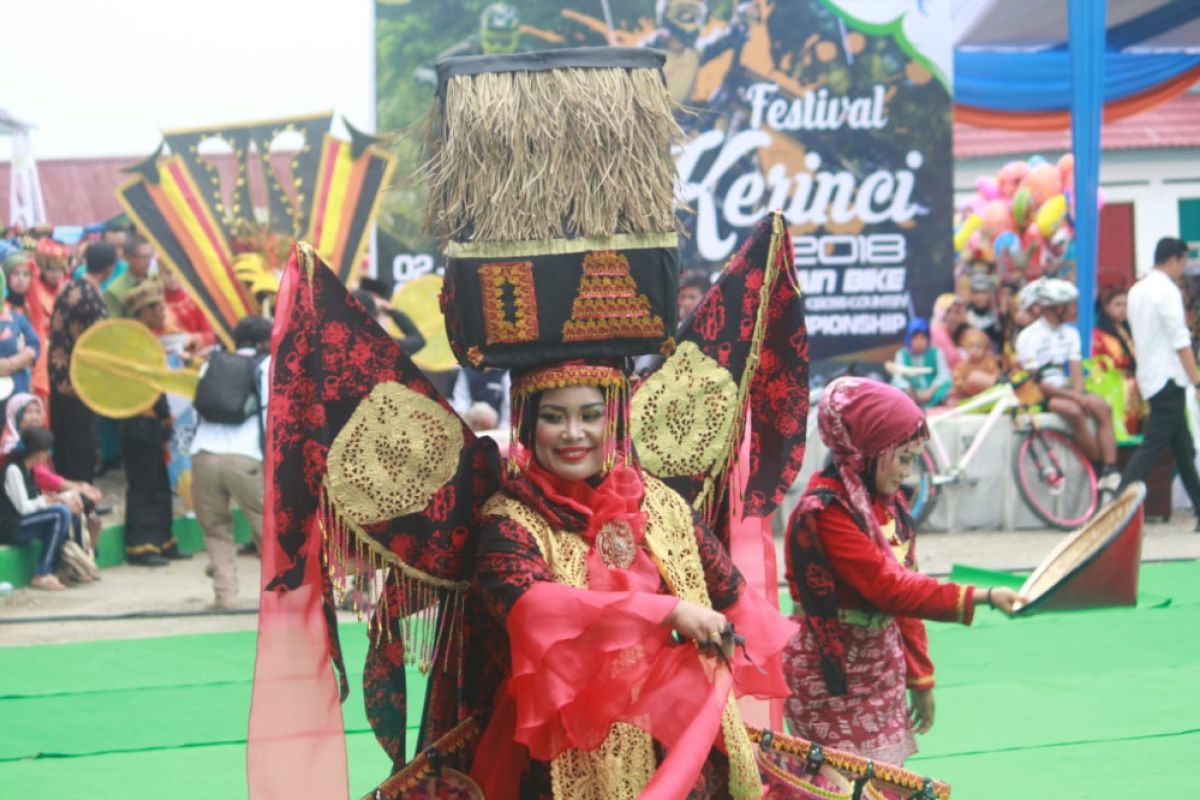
column 295, row 712
column 575, row 675
column 752, row 548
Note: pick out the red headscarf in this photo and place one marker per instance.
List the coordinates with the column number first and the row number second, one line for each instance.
column 860, row 420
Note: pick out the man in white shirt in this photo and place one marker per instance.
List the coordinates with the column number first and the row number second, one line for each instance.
column 227, row 465
column 1051, row 350
column 1166, row 367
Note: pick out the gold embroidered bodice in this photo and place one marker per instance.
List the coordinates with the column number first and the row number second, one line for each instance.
column 624, row 763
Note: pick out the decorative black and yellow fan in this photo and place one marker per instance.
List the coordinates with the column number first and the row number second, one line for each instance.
column 119, row 368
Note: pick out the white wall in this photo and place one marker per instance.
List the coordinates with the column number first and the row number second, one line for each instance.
column 1153, row 180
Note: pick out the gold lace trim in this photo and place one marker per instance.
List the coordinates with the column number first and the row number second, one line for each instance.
column 722, row 449
column 619, row 770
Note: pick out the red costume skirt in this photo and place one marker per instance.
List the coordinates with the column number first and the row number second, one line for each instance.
column 871, row 719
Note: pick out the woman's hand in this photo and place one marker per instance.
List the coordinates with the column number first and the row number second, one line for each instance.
column 702, row 625
column 920, row 709
column 1000, row 598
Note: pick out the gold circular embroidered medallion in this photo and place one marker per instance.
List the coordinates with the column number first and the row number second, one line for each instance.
column 396, row 450
column 615, row 544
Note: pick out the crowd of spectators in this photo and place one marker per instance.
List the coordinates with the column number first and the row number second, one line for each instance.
column 54, row 445
column 990, row 331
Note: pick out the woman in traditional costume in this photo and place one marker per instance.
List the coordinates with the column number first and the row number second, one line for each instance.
column 584, row 632
column 1112, row 338
column 51, row 267
column 851, row 567
column 590, row 566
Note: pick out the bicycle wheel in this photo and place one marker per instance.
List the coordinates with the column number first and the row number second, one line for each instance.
column 920, row 489
column 1055, row 479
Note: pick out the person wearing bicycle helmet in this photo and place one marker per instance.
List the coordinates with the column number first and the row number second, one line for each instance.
column 851, row 570
column 1051, row 350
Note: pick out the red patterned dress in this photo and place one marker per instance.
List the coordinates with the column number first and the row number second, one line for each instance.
column 861, row 641
column 593, row 683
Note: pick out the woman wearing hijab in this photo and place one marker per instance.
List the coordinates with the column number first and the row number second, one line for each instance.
column 851, row 567
column 949, row 320
column 19, row 342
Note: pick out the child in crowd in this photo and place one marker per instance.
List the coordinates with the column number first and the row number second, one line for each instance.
column 981, row 311
column 931, row 384
column 28, row 411
column 978, row 370
column 1111, row 337
column 26, row 514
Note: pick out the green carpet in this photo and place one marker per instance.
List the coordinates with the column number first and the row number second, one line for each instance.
column 1091, row 704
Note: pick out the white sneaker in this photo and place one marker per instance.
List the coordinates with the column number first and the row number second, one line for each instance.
column 1109, row 482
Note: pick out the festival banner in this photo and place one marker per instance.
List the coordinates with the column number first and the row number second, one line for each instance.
column 25, row 204
column 836, row 112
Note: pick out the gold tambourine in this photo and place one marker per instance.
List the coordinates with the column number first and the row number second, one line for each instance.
column 419, row 300
column 119, row 368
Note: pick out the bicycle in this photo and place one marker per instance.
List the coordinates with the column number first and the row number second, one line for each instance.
column 1054, row 478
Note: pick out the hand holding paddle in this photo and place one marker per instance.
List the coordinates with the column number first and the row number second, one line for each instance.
column 1000, row 598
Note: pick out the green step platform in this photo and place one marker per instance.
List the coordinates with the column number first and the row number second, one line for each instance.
column 16, row 561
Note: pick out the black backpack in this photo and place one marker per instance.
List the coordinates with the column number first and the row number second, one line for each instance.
column 228, row 389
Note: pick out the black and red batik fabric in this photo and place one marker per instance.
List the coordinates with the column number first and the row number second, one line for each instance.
column 732, row 326
column 328, row 355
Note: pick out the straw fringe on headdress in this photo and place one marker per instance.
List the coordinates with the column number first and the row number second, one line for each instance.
column 550, row 177
column 527, row 156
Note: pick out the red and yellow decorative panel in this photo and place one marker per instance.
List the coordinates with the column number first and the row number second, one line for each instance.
column 508, row 323
column 608, row 305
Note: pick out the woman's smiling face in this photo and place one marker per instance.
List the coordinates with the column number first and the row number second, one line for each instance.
column 569, row 434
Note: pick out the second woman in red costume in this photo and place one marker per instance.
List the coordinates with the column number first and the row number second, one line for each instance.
column 852, row 562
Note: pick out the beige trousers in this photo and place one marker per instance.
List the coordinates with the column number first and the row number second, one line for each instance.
column 216, row 481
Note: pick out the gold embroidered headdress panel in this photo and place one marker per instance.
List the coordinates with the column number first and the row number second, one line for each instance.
column 551, row 181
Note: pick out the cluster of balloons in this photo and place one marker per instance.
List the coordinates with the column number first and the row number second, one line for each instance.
column 1021, row 221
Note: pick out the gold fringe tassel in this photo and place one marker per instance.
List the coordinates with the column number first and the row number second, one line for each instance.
column 429, row 612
